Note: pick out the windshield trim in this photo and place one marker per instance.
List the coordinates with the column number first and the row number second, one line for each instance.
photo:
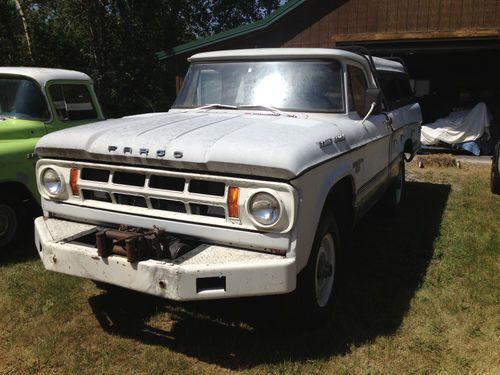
column 267, row 59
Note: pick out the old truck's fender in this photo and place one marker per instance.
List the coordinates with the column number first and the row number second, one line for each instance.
column 313, row 188
column 16, row 167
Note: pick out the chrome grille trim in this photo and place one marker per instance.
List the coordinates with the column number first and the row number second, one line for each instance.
column 121, row 192
column 284, row 192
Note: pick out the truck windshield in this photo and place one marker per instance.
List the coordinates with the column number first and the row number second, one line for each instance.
column 23, row 99
column 305, row 86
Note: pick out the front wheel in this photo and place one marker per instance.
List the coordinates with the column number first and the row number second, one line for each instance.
column 317, row 280
column 11, row 219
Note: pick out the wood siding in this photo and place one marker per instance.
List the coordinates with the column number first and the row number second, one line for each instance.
column 380, row 20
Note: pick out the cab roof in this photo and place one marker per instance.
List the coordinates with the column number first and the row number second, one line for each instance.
column 294, row 53
column 43, row 75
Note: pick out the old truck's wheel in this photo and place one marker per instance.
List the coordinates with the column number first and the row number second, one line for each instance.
column 399, row 185
column 495, row 183
column 11, row 219
column 495, row 168
column 391, row 200
column 317, row 280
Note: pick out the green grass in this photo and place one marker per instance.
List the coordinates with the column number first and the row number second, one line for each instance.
column 418, row 293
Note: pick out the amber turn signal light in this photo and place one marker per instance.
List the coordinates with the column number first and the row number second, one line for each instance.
column 232, row 202
column 73, row 179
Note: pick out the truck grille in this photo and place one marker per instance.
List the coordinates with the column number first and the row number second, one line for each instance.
column 167, row 197
column 159, row 192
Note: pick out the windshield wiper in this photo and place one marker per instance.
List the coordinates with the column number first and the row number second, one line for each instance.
column 244, row 106
column 215, row 106
column 272, row 109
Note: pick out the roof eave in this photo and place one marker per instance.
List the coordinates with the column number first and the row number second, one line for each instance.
column 236, row 32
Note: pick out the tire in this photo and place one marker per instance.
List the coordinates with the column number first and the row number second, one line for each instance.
column 495, row 176
column 391, row 200
column 316, row 282
column 12, row 219
column 495, row 182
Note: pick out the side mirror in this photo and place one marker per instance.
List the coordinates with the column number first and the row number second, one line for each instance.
column 372, row 96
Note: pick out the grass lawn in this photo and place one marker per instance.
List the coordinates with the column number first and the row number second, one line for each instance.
column 418, row 293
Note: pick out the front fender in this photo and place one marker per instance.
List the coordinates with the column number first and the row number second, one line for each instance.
column 313, row 189
column 15, row 165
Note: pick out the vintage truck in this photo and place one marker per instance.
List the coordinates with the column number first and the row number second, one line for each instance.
column 248, row 186
column 34, row 102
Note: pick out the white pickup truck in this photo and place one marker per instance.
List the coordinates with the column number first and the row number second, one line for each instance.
column 247, row 186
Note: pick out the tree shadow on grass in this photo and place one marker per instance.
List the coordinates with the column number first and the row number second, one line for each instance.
column 384, row 267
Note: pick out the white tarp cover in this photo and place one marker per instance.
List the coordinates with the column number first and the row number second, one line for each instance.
column 458, row 127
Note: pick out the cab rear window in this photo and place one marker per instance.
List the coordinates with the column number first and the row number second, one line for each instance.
column 72, row 102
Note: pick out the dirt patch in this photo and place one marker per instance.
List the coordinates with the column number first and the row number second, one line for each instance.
column 439, row 160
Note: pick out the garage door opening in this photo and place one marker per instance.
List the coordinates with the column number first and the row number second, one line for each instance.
column 451, row 76
column 457, row 81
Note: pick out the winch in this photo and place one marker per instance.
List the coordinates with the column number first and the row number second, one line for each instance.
column 139, row 244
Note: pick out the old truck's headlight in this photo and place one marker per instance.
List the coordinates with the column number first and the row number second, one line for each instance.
column 264, row 208
column 52, row 182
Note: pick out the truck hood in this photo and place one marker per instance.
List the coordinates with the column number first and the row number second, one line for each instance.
column 233, row 142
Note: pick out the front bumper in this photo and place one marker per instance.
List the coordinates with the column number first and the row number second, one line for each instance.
column 206, row 272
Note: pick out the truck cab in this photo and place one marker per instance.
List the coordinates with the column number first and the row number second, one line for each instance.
column 33, row 103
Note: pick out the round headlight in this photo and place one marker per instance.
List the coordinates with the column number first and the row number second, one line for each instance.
column 264, row 208
column 51, row 181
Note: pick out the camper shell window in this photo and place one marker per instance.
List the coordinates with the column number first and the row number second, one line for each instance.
column 396, row 88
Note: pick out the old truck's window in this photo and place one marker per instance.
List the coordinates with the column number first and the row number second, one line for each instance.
column 22, row 98
column 287, row 85
column 357, row 88
column 72, row 102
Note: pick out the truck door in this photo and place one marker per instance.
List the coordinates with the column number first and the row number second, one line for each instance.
column 373, row 136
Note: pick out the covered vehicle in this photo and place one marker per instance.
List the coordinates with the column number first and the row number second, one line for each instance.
column 34, row 102
column 461, row 129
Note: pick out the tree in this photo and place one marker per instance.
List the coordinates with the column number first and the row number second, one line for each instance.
column 11, row 42
column 19, row 10
column 115, row 41
column 207, row 17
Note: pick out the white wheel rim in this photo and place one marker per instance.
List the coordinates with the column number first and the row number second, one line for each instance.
column 324, row 270
column 8, row 223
